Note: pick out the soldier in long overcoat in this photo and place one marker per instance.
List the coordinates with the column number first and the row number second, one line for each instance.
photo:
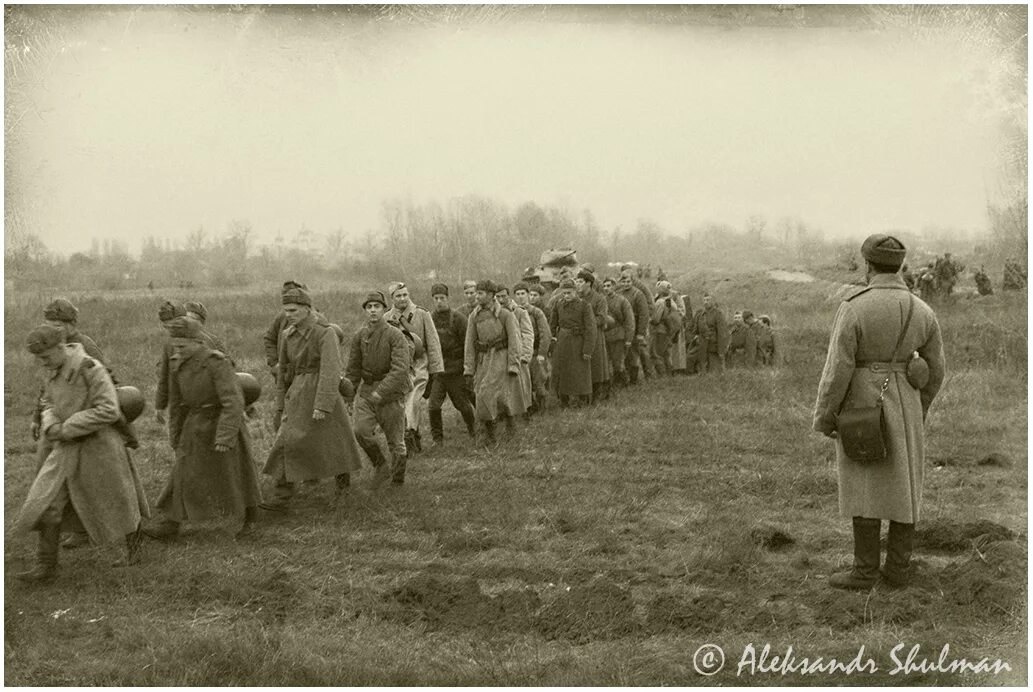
column 641, row 307
column 87, row 481
column 742, row 341
column 168, row 312
column 526, row 328
column 524, row 295
column 643, row 345
column 767, row 342
column 574, row 333
column 492, row 358
column 864, row 360
column 709, row 336
column 314, row 436
column 601, row 372
column 621, row 334
column 214, row 472
column 664, row 324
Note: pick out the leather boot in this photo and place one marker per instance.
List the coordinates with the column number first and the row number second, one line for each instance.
column 250, row 517
column 866, row 557
column 398, row 469
column 436, row 426
column 381, row 469
column 633, row 376
column 471, row 426
column 342, row 482
column 899, row 543
column 134, row 539
column 489, row 432
column 46, row 557
column 164, row 530
column 510, row 424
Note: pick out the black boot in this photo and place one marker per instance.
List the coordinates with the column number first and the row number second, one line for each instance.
column 134, row 540
column 398, row 469
column 46, row 557
column 866, row 557
column 489, row 433
column 436, row 426
column 165, row 530
column 510, row 424
column 381, row 469
column 342, row 481
column 410, row 442
column 250, row 517
column 899, row 543
column 471, row 425
column 633, row 375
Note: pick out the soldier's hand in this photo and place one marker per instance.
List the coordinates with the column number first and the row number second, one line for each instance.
column 53, row 433
column 586, row 356
column 318, row 415
column 641, row 339
column 541, row 359
column 34, row 430
column 159, row 415
column 221, row 448
column 513, row 374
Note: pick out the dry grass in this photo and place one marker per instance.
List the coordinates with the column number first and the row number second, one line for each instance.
column 602, row 546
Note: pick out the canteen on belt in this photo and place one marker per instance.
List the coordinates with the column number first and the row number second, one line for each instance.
column 346, row 389
column 130, row 402
column 250, row 386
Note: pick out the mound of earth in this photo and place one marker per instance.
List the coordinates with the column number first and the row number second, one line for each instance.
column 459, row 603
column 771, row 537
column 992, row 579
column 952, row 536
column 597, row 610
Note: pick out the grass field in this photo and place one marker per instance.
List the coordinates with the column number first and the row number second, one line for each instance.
column 601, row 546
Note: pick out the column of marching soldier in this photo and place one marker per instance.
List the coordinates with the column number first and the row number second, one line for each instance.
column 497, row 357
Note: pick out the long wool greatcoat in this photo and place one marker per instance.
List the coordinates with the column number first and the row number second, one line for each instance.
column 103, row 486
column 573, row 327
column 601, row 370
column 678, row 344
column 309, row 378
column 865, row 331
column 492, row 353
column 206, row 407
column 526, row 327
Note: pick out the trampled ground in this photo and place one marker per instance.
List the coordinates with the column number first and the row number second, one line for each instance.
column 600, row 546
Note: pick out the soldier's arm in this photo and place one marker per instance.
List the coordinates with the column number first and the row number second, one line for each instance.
column 231, row 399
column 177, row 415
column 629, row 321
column 396, row 382
column 721, row 327
column 469, row 348
column 932, row 352
column 101, row 404
column 513, row 340
column 281, row 372
column 161, row 397
column 431, row 344
column 353, row 370
column 45, row 409
column 751, row 346
column 838, row 370
column 271, row 341
column 588, row 323
column 327, row 386
column 544, row 334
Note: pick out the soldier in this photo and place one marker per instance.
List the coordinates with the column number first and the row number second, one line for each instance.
column 683, row 305
column 585, row 282
column 665, row 323
column 875, row 332
column 642, row 311
column 983, row 284
column 379, row 373
column 644, row 345
column 1014, row 276
column 87, row 481
column 574, row 334
column 166, row 313
column 314, row 436
column 470, row 293
column 198, row 312
column 742, row 340
column 526, row 344
column 271, row 338
column 524, row 296
column 214, row 472
column 492, row 358
column 425, row 366
column 767, row 344
column 621, row 334
column 451, row 327
column 709, row 336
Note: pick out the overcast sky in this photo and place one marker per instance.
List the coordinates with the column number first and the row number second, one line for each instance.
column 154, row 122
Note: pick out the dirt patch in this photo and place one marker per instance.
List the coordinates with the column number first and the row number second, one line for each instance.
column 771, row 537
column 459, row 603
column 840, row 610
column 994, row 459
column 597, row 610
column 700, row 614
column 952, row 536
column 992, row 579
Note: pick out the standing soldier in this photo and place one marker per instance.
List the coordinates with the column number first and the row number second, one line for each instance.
column 742, row 340
column 524, row 296
column 665, row 323
column 451, row 328
column 620, row 335
column 314, row 436
column 644, row 344
column 634, row 360
column 470, row 293
column 379, row 372
column 425, row 366
column 526, row 344
column 199, row 312
column 574, row 333
column 710, row 336
column 983, row 284
column 585, row 283
column 679, row 360
column 767, row 346
column 271, row 338
column 214, row 472
column 87, row 481
column 875, row 333
column 492, row 359
column 166, row 313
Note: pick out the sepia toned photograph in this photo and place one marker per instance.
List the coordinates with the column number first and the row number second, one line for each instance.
column 515, row 345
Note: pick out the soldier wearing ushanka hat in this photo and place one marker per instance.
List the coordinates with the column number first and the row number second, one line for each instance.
column 875, row 334
column 378, row 371
column 574, row 334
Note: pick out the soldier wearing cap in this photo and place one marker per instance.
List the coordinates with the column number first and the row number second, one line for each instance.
column 665, row 323
column 523, row 296
column 491, row 357
column 601, row 373
column 451, row 328
column 708, row 333
column 767, row 342
column 425, row 366
column 526, row 347
column 637, row 357
column 199, row 312
column 742, row 340
column 574, row 335
column 874, row 335
column 621, row 334
column 470, row 294
column 314, row 439
column 87, row 482
column 214, row 473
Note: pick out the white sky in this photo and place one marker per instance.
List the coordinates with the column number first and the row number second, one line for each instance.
column 155, row 122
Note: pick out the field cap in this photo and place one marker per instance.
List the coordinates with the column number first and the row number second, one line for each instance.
column 567, row 283
column 184, row 328
column 374, row 297
column 198, row 308
column 61, row 310
column 395, row 286
column 520, row 286
column 470, row 283
column 43, row 338
column 439, row 290
column 537, row 288
column 486, row 285
column 880, row 248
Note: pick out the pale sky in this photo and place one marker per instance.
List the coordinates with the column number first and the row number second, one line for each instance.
column 154, row 122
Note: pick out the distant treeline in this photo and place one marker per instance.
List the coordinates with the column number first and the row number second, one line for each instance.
column 466, row 237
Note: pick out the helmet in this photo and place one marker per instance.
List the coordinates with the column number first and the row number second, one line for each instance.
column 250, row 386
column 130, row 402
